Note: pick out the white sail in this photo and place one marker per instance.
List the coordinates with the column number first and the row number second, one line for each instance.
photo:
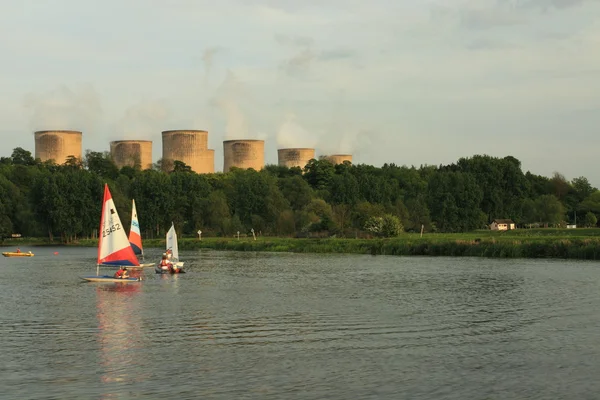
column 172, row 243
column 113, row 245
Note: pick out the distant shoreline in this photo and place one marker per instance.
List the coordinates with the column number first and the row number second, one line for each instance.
column 581, row 244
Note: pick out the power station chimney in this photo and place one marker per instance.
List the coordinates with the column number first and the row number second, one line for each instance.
column 190, row 147
column 132, row 153
column 297, row 157
column 337, row 158
column 244, row 154
column 57, row 145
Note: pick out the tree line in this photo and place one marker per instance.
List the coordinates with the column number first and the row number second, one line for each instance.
column 40, row 199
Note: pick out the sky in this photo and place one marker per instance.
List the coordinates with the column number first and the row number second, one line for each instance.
column 410, row 82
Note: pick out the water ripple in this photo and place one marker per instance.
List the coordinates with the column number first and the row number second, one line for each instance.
column 273, row 326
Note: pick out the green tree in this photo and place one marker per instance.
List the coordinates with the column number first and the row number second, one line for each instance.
column 101, row 164
column 550, row 210
column 21, row 156
column 391, row 226
column 319, row 173
column 286, row 224
column 590, row 219
column 591, row 203
column 364, row 211
column 454, row 199
column 582, row 188
column 341, row 216
column 374, row 225
column 296, row 191
column 418, row 214
column 401, row 211
column 503, row 185
column 529, row 212
column 324, row 214
column 218, row 214
column 343, row 189
column 180, row 166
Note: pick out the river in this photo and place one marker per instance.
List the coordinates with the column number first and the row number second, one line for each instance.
column 298, row 326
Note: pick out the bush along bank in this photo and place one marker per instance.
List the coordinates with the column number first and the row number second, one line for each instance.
column 584, row 249
column 458, row 245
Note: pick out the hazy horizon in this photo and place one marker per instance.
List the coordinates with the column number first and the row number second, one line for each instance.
column 407, row 82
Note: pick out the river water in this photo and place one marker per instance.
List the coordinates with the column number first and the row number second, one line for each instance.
column 297, row 326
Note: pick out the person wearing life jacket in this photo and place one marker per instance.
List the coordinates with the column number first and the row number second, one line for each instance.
column 122, row 273
column 165, row 264
column 173, row 266
column 18, row 250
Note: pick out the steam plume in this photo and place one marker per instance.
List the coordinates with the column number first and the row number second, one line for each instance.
column 292, row 134
column 143, row 119
column 227, row 99
column 64, row 108
column 208, row 58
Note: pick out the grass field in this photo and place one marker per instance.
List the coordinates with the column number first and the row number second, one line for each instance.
column 520, row 243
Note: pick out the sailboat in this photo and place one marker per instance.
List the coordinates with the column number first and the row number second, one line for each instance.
column 172, row 253
column 135, row 235
column 113, row 246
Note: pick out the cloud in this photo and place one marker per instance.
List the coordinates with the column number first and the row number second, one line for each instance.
column 76, row 108
column 489, row 44
column 143, row 120
column 357, row 142
column 482, row 68
column 298, row 64
column 292, row 134
column 490, row 14
column 482, row 17
column 294, row 41
column 336, row 54
column 546, row 5
column 227, row 99
column 208, row 59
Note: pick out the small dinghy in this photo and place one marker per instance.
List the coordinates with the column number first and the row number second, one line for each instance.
column 114, row 249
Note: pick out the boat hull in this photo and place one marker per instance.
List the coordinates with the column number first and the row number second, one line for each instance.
column 127, row 266
column 108, row 278
column 159, row 270
column 145, row 265
column 13, row 254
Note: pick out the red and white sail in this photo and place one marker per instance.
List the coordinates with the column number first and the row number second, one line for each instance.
column 113, row 245
column 135, row 236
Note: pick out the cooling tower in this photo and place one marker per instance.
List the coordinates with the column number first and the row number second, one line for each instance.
column 337, row 158
column 206, row 162
column 244, row 154
column 190, row 147
column 57, row 145
column 295, row 157
column 132, row 153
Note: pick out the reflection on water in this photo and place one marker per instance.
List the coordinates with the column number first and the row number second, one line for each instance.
column 279, row 326
column 119, row 327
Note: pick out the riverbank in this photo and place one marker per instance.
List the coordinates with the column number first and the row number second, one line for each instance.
column 581, row 244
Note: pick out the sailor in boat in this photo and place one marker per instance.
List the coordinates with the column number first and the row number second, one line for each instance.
column 174, row 268
column 165, row 263
column 18, row 250
column 122, row 273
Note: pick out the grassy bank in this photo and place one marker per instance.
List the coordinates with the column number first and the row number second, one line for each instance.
column 523, row 243
column 575, row 248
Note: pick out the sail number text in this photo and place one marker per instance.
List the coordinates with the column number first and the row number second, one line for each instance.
column 110, row 230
